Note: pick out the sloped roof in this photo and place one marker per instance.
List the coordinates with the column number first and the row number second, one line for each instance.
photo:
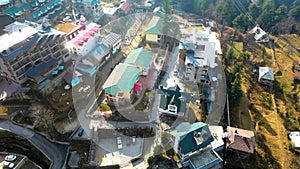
column 240, row 139
column 140, row 57
column 38, row 70
column 265, row 73
column 122, row 78
column 186, row 132
column 68, row 27
column 180, row 99
column 155, row 26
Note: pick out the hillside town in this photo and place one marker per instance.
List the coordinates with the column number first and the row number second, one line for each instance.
column 123, row 84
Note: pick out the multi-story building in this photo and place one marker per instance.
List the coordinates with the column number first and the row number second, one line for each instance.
column 30, row 51
column 92, row 7
column 197, row 57
column 192, row 143
column 80, row 39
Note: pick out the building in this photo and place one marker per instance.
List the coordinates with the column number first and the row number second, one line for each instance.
column 45, row 7
column 91, row 62
column 265, row 76
column 119, row 86
column 124, row 8
column 197, row 57
column 218, row 143
column 80, row 39
column 29, row 51
column 173, row 102
column 192, row 145
column 91, row 7
column 113, row 41
column 260, row 35
column 142, row 58
column 73, row 78
column 154, row 30
column 240, row 140
column 295, row 139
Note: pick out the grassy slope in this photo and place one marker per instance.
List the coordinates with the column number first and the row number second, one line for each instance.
column 263, row 111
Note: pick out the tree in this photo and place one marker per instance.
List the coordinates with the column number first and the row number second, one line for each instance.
column 254, row 11
column 280, row 13
column 241, row 22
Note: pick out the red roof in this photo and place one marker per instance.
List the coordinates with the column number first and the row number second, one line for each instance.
column 137, row 86
column 85, row 34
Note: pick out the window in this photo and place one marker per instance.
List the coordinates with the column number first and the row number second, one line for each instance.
column 172, row 108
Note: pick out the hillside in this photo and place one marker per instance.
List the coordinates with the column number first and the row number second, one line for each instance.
column 272, row 112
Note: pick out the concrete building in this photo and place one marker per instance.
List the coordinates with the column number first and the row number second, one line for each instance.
column 295, row 139
column 30, row 51
column 89, row 7
column 192, row 145
column 197, row 57
column 80, row 39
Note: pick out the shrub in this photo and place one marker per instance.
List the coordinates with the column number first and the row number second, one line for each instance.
column 103, row 107
column 150, row 159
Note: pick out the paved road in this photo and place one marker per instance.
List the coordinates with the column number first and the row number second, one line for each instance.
column 56, row 153
column 220, row 97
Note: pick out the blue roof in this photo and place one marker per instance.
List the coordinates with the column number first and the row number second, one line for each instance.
column 37, row 70
column 75, row 81
column 86, row 69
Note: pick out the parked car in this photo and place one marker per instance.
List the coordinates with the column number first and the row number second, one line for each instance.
column 10, row 157
column 80, row 89
column 133, row 139
column 128, row 142
column 119, row 143
column 8, row 164
column 86, row 88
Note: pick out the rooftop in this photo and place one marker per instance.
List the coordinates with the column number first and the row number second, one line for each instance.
column 266, row 73
column 217, row 133
column 207, row 158
column 121, row 79
column 180, row 99
column 140, row 57
column 15, row 33
column 111, row 39
column 85, row 34
column 240, row 139
column 186, row 133
column 68, row 27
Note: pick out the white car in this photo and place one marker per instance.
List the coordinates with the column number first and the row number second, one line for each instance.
column 119, row 143
column 86, row 88
column 10, row 157
column 80, row 89
column 8, row 164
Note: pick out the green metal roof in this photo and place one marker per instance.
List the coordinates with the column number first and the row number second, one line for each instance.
column 185, row 132
column 121, row 79
column 174, row 97
column 155, row 26
column 141, row 57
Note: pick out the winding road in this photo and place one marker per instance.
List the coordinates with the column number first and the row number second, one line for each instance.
column 55, row 152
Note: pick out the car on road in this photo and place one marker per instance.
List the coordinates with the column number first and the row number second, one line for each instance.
column 128, row 142
column 119, row 143
column 10, row 157
column 8, row 164
column 133, row 139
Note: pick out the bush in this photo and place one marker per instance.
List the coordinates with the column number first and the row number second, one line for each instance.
column 150, row 159
column 103, row 107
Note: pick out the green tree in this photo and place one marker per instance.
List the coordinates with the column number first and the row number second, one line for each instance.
column 254, row 11
column 241, row 22
column 280, row 13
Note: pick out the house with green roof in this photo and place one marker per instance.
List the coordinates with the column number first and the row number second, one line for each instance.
column 154, row 30
column 192, row 145
column 173, row 102
column 119, row 87
column 140, row 57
